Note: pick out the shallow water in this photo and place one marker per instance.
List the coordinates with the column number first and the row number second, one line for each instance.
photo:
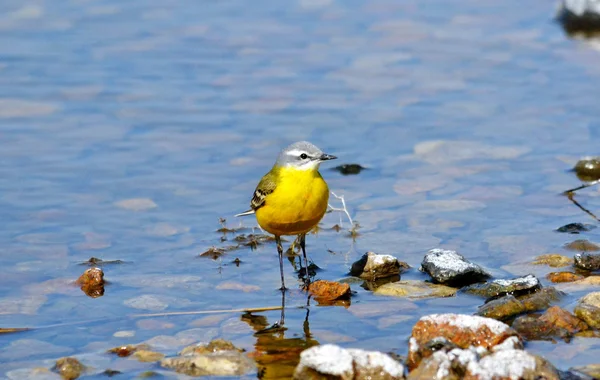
column 467, row 115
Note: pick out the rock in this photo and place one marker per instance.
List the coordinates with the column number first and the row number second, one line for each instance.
column 582, row 245
column 473, row 364
column 502, row 308
column 497, row 288
column 555, row 322
column 373, row 266
column 558, row 277
column 69, row 368
column 554, row 260
column 588, row 309
column 127, row 350
column 588, row 168
column 92, row 282
column 330, row 292
column 587, row 261
column 542, row 299
column 575, row 228
column 511, row 364
column 415, row 289
column 349, row 169
column 581, row 16
column 592, row 370
column 329, row 361
column 225, row 363
column 148, row 356
column 462, row 331
column 450, row 268
column 215, row 345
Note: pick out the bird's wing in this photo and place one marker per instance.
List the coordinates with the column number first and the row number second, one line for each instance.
column 265, row 187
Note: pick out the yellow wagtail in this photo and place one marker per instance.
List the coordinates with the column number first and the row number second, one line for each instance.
column 292, row 197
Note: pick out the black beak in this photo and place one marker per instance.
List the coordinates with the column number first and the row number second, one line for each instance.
column 325, row 157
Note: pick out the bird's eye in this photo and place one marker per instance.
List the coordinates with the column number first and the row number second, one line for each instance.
column 304, row 156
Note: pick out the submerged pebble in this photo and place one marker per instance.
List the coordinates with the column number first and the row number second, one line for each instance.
column 415, row 289
column 558, row 277
column 450, row 268
column 575, row 228
column 554, row 260
column 69, row 368
column 555, row 322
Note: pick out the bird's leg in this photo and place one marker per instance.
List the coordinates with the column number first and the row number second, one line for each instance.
column 280, row 252
column 303, row 246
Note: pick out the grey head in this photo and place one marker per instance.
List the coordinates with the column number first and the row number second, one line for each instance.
column 302, row 155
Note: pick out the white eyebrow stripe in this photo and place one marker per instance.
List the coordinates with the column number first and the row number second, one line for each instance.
column 295, row 152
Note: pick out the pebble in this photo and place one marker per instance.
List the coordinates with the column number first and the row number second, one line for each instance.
column 450, row 268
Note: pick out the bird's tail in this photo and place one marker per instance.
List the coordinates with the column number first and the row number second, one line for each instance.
column 249, row 212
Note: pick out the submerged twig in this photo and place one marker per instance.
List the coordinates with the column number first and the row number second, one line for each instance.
column 571, row 197
column 583, row 186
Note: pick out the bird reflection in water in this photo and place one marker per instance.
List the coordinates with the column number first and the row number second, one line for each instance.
column 276, row 354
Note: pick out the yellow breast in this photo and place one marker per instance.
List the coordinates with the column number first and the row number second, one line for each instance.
column 296, row 205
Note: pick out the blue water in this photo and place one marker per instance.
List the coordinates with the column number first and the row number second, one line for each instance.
column 187, row 105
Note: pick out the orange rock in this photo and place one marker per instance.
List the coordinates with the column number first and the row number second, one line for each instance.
column 460, row 330
column 92, row 282
column 561, row 318
column 329, row 292
column 91, row 277
column 563, row 276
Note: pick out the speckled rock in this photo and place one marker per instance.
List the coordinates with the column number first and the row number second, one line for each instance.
column 373, row 266
column 509, row 365
column 462, row 331
column 497, row 288
column 588, row 309
column 450, row 268
column 587, row 261
column 554, row 260
column 333, row 362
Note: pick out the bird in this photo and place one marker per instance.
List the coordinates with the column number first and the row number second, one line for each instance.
column 292, row 197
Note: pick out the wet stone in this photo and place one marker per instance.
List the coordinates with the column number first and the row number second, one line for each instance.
column 587, row 261
column 349, row 169
column 373, row 266
column 588, row 168
column 511, row 364
column 330, row 292
column 415, row 289
column 582, row 245
column 450, row 268
column 542, row 299
column 69, row 368
column 553, row 260
column 592, row 370
column 329, row 361
column 588, row 309
column 92, row 282
column 554, row 323
column 498, row 288
column 216, row 345
column 224, row 363
column 462, row 331
column 502, row 308
column 575, row 228
column 147, row 356
column 127, row 350
column 558, row 277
